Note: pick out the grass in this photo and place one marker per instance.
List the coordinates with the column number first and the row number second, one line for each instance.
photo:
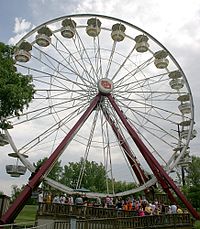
column 197, row 225
column 27, row 214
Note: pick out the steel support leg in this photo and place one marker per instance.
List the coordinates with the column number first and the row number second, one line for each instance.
column 36, row 179
column 157, row 169
column 142, row 178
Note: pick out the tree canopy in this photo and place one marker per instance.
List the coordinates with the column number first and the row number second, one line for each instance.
column 194, row 172
column 94, row 177
column 192, row 187
column 16, row 89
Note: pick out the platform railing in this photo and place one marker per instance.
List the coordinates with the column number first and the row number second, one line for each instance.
column 161, row 221
column 82, row 211
column 104, row 218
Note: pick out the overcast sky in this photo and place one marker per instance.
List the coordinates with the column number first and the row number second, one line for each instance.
column 175, row 23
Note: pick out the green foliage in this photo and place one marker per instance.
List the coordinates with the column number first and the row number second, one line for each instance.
column 197, row 224
column 16, row 90
column 56, row 170
column 194, row 172
column 54, row 174
column 93, row 179
column 121, row 186
column 192, row 187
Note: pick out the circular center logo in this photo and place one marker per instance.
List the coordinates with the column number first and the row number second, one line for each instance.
column 105, row 86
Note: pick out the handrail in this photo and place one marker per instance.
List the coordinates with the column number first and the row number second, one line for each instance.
column 82, row 211
column 26, row 224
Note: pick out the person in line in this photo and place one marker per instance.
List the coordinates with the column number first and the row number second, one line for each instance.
column 173, row 208
column 79, row 200
column 179, row 210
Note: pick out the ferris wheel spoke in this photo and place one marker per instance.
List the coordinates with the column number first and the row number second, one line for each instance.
column 47, row 93
column 56, row 69
column 145, row 84
column 154, row 150
column 58, row 83
column 126, row 150
column 134, row 71
column 151, row 95
column 152, row 126
column 168, row 112
column 102, row 121
column 83, row 53
column 106, row 146
column 85, row 158
column 98, row 58
column 123, row 63
column 137, row 83
column 76, row 63
column 52, row 129
column 45, row 111
column 46, row 76
column 110, row 59
column 60, row 78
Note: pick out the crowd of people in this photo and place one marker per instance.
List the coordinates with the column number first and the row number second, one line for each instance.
column 141, row 205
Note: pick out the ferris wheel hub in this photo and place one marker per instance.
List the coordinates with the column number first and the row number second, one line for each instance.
column 105, row 86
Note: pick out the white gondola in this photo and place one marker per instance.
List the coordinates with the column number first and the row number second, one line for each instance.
column 160, row 59
column 183, row 98
column 118, row 32
column 22, row 54
column 185, row 159
column 175, row 74
column 184, row 162
column 69, row 28
column 43, row 38
column 15, row 170
column 179, row 148
column 184, row 134
column 141, row 43
column 185, row 123
column 93, row 27
column 176, row 84
column 185, row 108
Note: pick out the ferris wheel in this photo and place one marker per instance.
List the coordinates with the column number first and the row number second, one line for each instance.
column 109, row 89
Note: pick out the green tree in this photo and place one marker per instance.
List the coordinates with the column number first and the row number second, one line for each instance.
column 121, row 186
column 194, row 172
column 93, row 179
column 54, row 174
column 16, row 89
column 192, row 187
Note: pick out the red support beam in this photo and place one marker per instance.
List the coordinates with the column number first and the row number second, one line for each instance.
column 36, row 179
column 164, row 179
column 142, row 178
